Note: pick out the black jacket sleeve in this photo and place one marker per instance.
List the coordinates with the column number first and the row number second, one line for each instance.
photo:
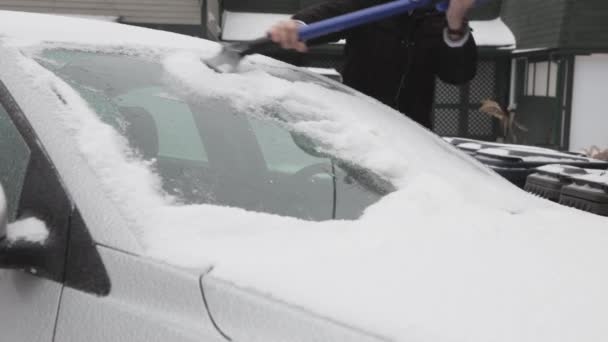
column 457, row 65
column 330, row 9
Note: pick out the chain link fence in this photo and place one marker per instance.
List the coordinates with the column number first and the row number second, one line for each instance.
column 456, row 110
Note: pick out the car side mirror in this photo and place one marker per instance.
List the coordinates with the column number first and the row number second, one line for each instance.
column 24, row 250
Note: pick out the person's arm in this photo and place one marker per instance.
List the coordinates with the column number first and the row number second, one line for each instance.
column 285, row 33
column 458, row 55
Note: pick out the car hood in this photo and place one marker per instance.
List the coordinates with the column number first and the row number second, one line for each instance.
column 437, row 273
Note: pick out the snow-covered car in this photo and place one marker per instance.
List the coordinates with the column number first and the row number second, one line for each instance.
column 150, row 198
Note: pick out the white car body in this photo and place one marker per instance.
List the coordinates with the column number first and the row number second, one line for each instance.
column 455, row 253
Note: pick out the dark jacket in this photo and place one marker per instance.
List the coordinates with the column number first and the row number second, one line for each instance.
column 396, row 60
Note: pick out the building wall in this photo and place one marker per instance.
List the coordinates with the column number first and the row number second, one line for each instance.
column 558, row 23
column 585, row 25
column 535, row 23
column 266, row 6
column 181, row 12
column 589, row 108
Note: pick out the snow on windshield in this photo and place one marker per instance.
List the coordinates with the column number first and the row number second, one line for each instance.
column 456, row 253
column 354, row 127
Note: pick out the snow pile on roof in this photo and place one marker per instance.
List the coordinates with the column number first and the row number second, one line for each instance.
column 455, row 254
column 492, row 33
column 239, row 26
column 29, row 230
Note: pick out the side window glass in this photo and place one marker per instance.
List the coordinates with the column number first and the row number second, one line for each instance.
column 14, row 159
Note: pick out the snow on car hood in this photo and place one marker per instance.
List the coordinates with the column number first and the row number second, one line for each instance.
column 455, row 254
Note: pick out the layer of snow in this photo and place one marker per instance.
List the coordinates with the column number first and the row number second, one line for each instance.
column 470, row 146
column 532, row 149
column 239, row 26
column 576, row 173
column 29, row 230
column 560, row 169
column 541, row 159
column 455, row 254
column 533, row 155
column 492, row 33
column 595, row 176
column 470, row 143
column 495, row 152
column 324, row 71
column 523, row 51
column 552, row 168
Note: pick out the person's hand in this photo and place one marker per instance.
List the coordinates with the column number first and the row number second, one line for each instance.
column 285, row 33
column 457, row 13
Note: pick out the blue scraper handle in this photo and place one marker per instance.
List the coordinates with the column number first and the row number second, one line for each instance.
column 368, row 15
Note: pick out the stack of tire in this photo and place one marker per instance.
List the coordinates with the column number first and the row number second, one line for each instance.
column 517, row 162
column 575, row 187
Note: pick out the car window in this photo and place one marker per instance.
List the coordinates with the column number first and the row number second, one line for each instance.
column 278, row 148
column 178, row 136
column 206, row 151
column 14, row 159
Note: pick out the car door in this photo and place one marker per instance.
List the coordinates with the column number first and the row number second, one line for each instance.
column 31, row 274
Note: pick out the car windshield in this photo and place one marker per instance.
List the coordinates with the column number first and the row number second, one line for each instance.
column 208, row 152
